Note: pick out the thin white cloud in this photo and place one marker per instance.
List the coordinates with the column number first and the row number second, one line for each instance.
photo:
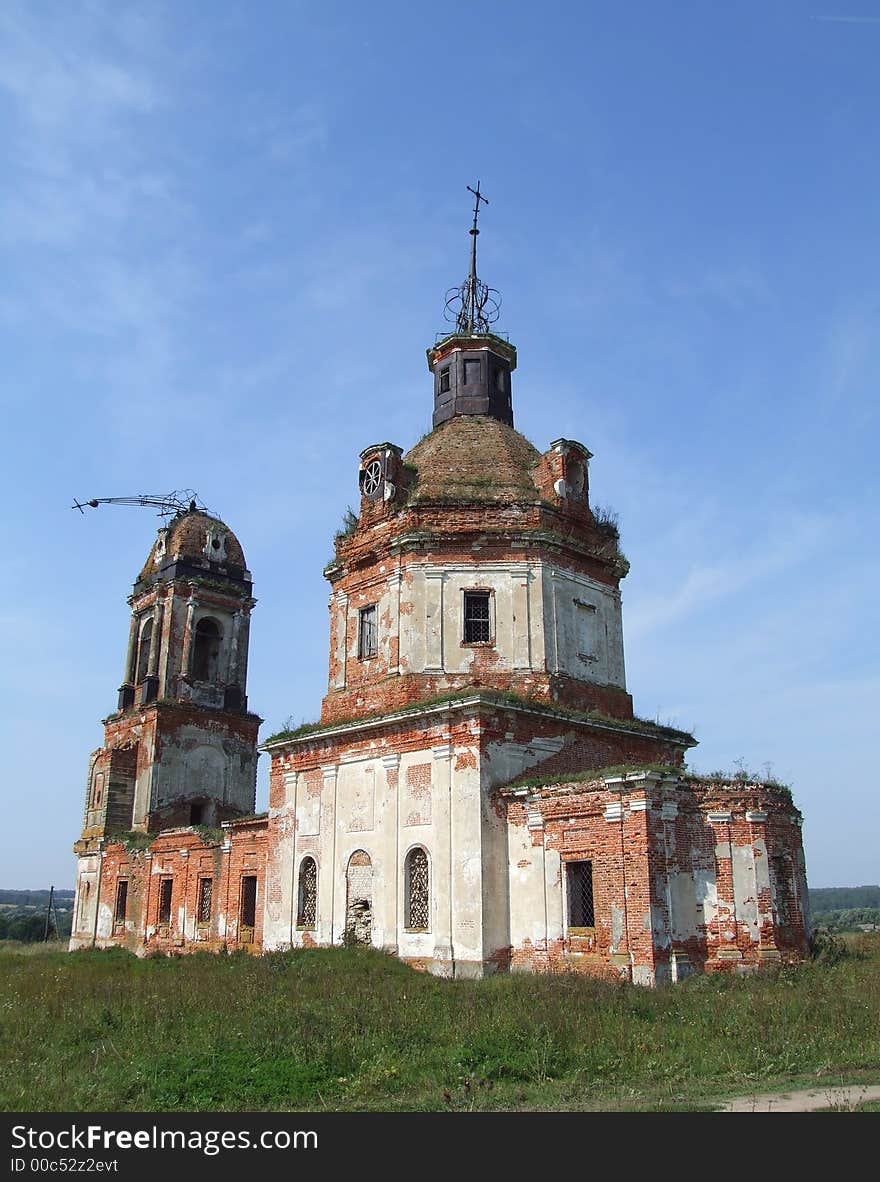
column 792, row 543
column 847, row 20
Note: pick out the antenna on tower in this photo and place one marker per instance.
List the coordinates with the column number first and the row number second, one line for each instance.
column 173, row 504
column 473, row 307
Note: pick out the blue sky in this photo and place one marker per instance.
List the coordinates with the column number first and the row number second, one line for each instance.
column 226, row 232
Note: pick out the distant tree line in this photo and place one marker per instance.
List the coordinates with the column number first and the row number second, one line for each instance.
column 843, row 898
column 29, row 924
column 852, row 919
column 36, row 898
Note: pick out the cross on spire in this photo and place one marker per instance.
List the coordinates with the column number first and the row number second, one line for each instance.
column 473, row 306
column 478, row 198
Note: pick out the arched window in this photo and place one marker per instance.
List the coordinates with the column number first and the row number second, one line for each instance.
column 307, row 898
column 359, row 899
column 206, row 650
column 417, row 913
column 143, row 652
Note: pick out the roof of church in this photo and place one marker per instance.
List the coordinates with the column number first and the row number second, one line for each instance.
column 187, row 537
column 474, row 458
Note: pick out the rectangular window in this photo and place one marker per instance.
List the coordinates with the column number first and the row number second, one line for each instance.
column 165, row 885
column 579, row 876
column 477, row 627
column 782, row 894
column 587, row 630
column 367, row 641
column 121, row 901
column 248, row 900
column 206, row 897
column 472, row 371
column 445, row 380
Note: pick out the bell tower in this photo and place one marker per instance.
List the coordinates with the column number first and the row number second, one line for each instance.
column 180, row 749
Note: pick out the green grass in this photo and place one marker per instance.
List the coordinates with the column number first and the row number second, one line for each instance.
column 354, row 1029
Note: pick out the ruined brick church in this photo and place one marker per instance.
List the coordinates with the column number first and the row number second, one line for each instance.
column 478, row 794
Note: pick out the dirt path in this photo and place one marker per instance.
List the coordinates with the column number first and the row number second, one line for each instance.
column 809, row 1100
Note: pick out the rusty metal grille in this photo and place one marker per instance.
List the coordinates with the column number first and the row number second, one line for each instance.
column 165, row 901
column 476, row 617
column 417, row 891
column 368, row 642
column 580, row 895
column 308, row 894
column 121, row 901
column 248, row 900
column 206, row 897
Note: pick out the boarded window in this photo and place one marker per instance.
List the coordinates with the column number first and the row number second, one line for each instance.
column 165, row 885
column 206, row 650
column 143, row 653
column 471, row 371
column 307, row 901
column 417, row 891
column 580, row 894
column 444, row 380
column 248, row 900
column 477, row 628
column 206, row 900
column 367, row 641
column 121, row 901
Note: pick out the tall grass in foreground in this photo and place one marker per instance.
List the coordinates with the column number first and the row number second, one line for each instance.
column 354, row 1029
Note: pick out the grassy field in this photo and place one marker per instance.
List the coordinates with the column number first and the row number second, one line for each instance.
column 350, row 1029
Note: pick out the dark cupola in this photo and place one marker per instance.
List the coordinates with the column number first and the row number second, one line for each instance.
column 472, row 365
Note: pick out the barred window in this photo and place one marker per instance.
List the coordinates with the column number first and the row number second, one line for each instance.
column 307, row 902
column 367, row 643
column 206, row 900
column 248, row 900
column 417, row 894
column 121, row 901
column 580, row 894
column 477, row 628
column 165, row 885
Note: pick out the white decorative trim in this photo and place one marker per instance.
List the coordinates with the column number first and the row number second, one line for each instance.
column 719, row 817
column 442, row 751
column 348, row 757
column 534, row 816
column 637, row 806
column 549, row 746
column 669, row 810
column 614, row 811
column 391, row 761
column 756, row 817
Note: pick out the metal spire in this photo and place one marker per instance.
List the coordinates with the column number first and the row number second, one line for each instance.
column 473, row 307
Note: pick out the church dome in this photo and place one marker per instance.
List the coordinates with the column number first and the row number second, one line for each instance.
column 196, row 539
column 474, row 458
